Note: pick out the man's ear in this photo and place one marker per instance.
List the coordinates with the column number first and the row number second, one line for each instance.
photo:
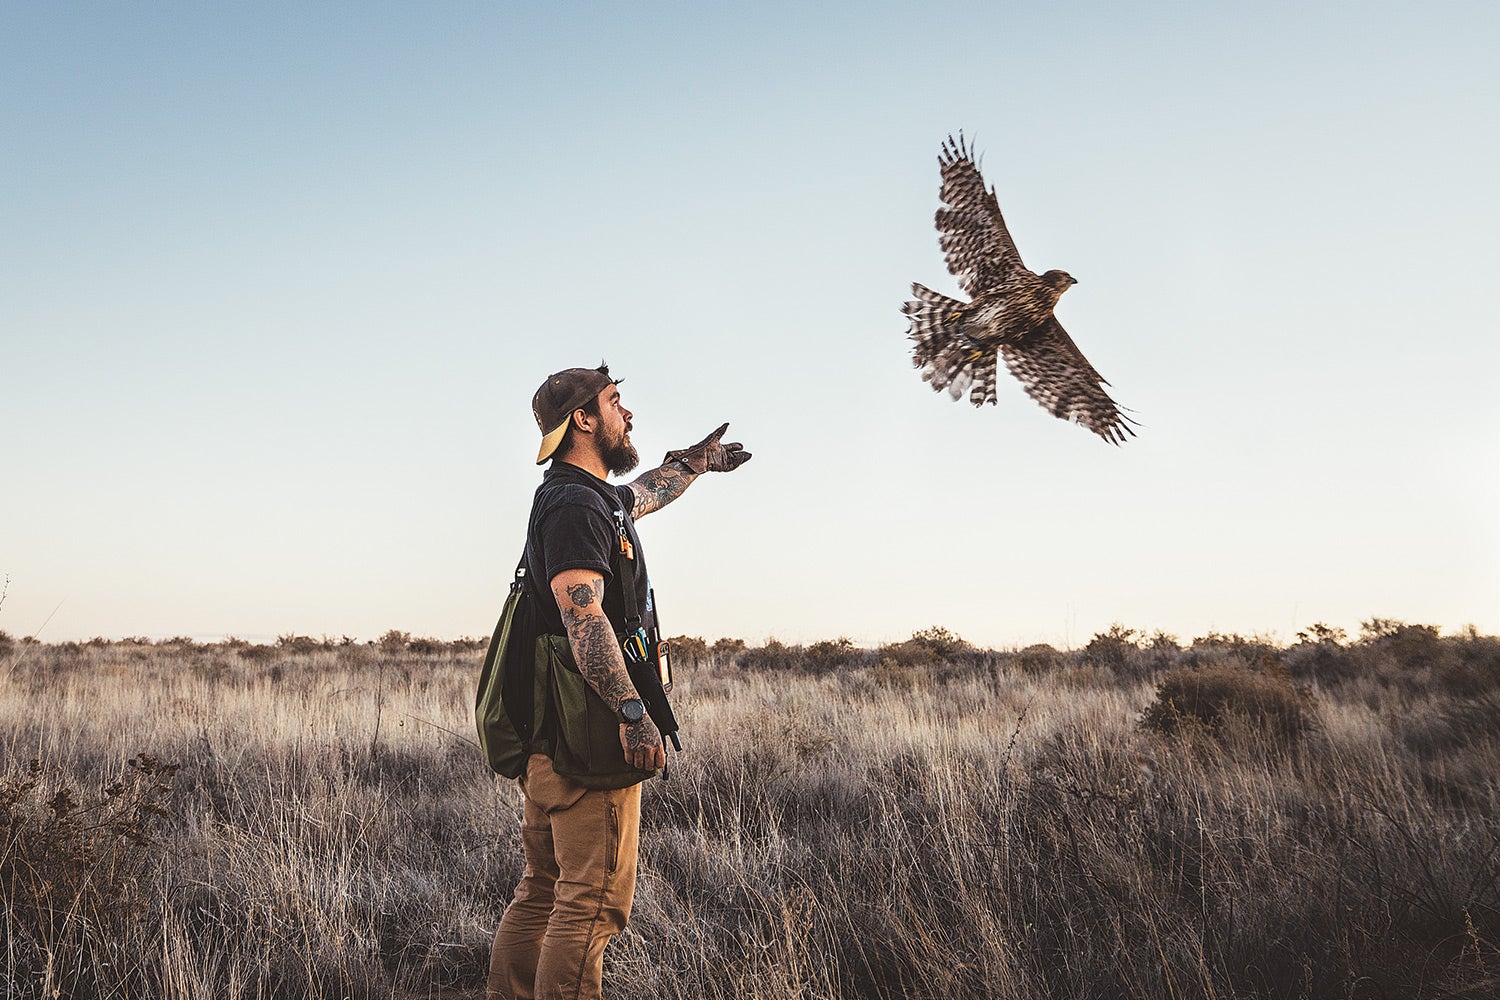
column 583, row 421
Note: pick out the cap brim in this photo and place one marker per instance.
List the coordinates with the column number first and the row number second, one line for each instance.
column 552, row 439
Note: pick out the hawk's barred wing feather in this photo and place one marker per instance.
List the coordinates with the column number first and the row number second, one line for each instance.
column 1055, row 374
column 978, row 248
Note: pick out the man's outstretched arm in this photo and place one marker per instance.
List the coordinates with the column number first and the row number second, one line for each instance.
column 580, row 595
column 655, row 489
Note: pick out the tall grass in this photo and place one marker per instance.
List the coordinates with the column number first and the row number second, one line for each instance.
column 923, row 820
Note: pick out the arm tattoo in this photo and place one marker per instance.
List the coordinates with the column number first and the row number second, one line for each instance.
column 592, row 639
column 655, row 489
column 599, row 658
column 642, row 735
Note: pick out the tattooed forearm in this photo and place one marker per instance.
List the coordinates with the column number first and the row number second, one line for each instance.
column 599, row 658
column 579, row 594
column 655, row 489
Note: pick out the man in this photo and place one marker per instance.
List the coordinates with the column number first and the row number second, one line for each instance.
column 580, row 843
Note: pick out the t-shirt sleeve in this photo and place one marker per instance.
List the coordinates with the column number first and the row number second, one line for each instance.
column 627, row 497
column 579, row 534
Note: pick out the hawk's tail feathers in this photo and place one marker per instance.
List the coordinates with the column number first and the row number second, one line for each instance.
column 984, row 381
column 941, row 351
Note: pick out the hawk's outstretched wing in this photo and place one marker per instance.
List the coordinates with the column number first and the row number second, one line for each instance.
column 974, row 239
column 1056, row 374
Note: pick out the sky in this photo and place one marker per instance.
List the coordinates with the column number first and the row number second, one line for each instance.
column 277, row 283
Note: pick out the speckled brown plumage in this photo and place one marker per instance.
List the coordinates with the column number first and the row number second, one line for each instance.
column 1009, row 315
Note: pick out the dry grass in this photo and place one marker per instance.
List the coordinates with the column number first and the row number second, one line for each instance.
column 925, row 820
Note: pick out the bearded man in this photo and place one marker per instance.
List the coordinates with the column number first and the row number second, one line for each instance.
column 580, row 841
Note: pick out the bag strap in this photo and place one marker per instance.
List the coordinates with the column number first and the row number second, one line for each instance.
column 627, row 582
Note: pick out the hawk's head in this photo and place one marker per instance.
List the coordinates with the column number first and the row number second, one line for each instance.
column 1059, row 280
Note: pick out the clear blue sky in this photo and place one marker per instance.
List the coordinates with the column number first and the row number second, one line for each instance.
column 277, row 283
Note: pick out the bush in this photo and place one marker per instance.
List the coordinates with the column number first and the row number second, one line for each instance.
column 830, row 655
column 774, row 655
column 1039, row 658
column 1216, row 647
column 1129, row 653
column 1205, row 698
column 688, row 650
column 427, row 645
column 394, row 641
column 297, row 643
column 1112, row 649
column 927, row 647
column 726, row 650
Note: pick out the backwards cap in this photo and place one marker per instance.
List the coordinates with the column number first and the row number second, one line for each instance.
column 559, row 396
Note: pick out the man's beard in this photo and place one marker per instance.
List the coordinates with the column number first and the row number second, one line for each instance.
column 620, row 457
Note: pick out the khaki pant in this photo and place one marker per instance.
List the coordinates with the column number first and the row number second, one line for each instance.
column 580, row 848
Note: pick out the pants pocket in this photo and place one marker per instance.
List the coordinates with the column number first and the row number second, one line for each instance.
column 612, row 843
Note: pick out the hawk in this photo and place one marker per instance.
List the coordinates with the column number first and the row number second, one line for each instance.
column 1009, row 313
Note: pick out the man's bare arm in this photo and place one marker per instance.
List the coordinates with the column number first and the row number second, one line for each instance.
column 655, row 489
column 580, row 595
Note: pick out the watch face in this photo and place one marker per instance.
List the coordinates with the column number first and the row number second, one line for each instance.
column 632, row 710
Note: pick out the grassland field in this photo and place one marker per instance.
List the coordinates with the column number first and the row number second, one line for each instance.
column 1139, row 818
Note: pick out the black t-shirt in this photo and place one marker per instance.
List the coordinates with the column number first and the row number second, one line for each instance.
column 573, row 526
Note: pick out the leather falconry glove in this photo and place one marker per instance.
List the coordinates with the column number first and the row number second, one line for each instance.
column 710, row 455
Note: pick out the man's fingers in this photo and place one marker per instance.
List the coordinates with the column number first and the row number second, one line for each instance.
column 712, row 438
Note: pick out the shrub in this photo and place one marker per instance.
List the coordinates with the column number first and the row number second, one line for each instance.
column 1039, row 658
column 1323, row 661
column 394, row 641
column 927, row 647
column 1189, row 698
column 1320, row 632
column 943, row 644
column 688, row 650
column 1412, row 646
column 1129, row 653
column 1112, row 648
column 297, row 643
column 828, row 656
column 774, row 655
column 726, row 650
column 426, row 645
column 255, row 653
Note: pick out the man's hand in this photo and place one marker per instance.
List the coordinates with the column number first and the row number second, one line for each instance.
column 642, row 745
column 710, row 455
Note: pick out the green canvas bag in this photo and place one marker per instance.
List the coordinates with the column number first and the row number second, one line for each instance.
column 506, row 731
column 532, row 699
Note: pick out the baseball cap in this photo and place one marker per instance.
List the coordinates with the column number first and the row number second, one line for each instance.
column 559, row 396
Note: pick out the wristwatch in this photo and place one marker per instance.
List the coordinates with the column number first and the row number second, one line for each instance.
column 632, row 710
